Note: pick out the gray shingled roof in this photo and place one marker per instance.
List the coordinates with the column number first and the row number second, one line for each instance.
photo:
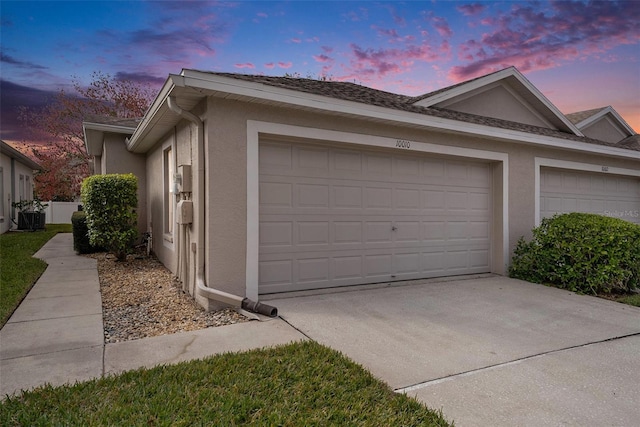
column 631, row 142
column 579, row 116
column 362, row 94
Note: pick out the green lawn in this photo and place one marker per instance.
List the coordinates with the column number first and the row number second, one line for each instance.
column 18, row 270
column 633, row 299
column 300, row 384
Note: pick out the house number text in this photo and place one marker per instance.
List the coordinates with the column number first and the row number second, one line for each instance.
column 401, row 143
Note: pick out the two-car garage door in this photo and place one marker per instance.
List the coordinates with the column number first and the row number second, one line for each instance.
column 333, row 216
column 563, row 191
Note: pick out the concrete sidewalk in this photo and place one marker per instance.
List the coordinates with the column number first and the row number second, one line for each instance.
column 56, row 334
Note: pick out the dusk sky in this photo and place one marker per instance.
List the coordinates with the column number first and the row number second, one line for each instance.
column 581, row 55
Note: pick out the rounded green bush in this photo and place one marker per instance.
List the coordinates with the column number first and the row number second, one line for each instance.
column 110, row 203
column 585, row 253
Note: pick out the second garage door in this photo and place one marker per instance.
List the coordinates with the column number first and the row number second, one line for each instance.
column 564, row 191
column 331, row 216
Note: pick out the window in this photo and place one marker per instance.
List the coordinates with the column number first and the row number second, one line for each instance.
column 28, row 188
column 21, row 189
column 169, row 199
column 1, row 193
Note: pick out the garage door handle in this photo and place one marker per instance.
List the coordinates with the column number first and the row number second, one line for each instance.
column 394, row 228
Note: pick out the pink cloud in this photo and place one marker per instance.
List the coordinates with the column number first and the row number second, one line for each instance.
column 391, row 33
column 361, row 14
column 295, row 40
column 442, row 26
column 245, row 65
column 471, row 9
column 380, row 62
column 269, row 65
column 533, row 40
column 285, row 65
column 321, row 58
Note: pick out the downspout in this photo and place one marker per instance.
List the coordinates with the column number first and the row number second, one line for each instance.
column 201, row 285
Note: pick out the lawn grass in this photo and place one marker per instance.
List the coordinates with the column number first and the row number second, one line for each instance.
column 299, row 384
column 630, row 299
column 18, row 269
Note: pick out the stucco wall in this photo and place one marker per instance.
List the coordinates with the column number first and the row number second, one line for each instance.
column 12, row 194
column 117, row 159
column 163, row 245
column 604, row 130
column 5, row 193
column 498, row 102
column 226, row 167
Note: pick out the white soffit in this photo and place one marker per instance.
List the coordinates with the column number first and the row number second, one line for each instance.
column 519, row 83
column 94, row 135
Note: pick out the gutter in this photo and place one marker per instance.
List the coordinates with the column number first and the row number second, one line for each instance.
column 201, row 286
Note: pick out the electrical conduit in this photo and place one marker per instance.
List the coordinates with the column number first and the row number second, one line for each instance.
column 201, row 286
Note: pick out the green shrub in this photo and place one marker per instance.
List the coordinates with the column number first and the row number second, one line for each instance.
column 110, row 202
column 80, row 230
column 584, row 253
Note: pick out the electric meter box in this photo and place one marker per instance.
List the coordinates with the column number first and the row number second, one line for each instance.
column 184, row 184
column 184, row 212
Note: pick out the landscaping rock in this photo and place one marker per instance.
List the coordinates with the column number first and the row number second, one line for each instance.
column 141, row 298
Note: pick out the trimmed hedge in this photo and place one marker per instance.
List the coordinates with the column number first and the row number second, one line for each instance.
column 110, row 202
column 584, row 253
column 80, row 230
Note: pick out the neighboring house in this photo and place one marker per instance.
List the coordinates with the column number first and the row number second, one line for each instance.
column 256, row 185
column 105, row 141
column 16, row 183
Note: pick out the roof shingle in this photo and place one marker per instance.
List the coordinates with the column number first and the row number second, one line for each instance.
column 357, row 93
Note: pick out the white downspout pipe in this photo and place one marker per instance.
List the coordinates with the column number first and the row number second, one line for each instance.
column 201, row 285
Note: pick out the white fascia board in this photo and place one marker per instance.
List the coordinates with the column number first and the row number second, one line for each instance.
column 215, row 83
column 150, row 116
column 465, row 88
column 94, row 135
column 104, row 127
column 607, row 110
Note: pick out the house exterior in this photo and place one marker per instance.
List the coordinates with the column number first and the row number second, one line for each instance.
column 16, row 183
column 256, row 185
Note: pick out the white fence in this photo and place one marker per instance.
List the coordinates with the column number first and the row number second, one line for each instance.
column 60, row 212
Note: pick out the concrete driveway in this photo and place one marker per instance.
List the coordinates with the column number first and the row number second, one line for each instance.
column 488, row 351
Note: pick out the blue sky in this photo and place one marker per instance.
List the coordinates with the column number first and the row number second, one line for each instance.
column 580, row 55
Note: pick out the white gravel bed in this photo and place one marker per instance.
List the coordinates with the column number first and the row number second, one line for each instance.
column 141, row 298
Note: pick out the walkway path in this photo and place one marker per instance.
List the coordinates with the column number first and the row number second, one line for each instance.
column 56, row 334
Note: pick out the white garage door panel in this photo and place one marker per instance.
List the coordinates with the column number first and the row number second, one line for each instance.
column 334, row 217
column 563, row 191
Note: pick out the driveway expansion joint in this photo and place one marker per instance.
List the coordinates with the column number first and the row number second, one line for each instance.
column 62, row 350
column 440, row 380
column 297, row 329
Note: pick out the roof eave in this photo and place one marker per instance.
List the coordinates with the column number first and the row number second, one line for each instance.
column 191, row 82
column 94, row 135
column 22, row 158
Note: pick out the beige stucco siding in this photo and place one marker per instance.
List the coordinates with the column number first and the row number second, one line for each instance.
column 12, row 194
column 163, row 246
column 226, row 179
column 499, row 102
column 226, row 167
column 604, row 130
column 117, row 159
